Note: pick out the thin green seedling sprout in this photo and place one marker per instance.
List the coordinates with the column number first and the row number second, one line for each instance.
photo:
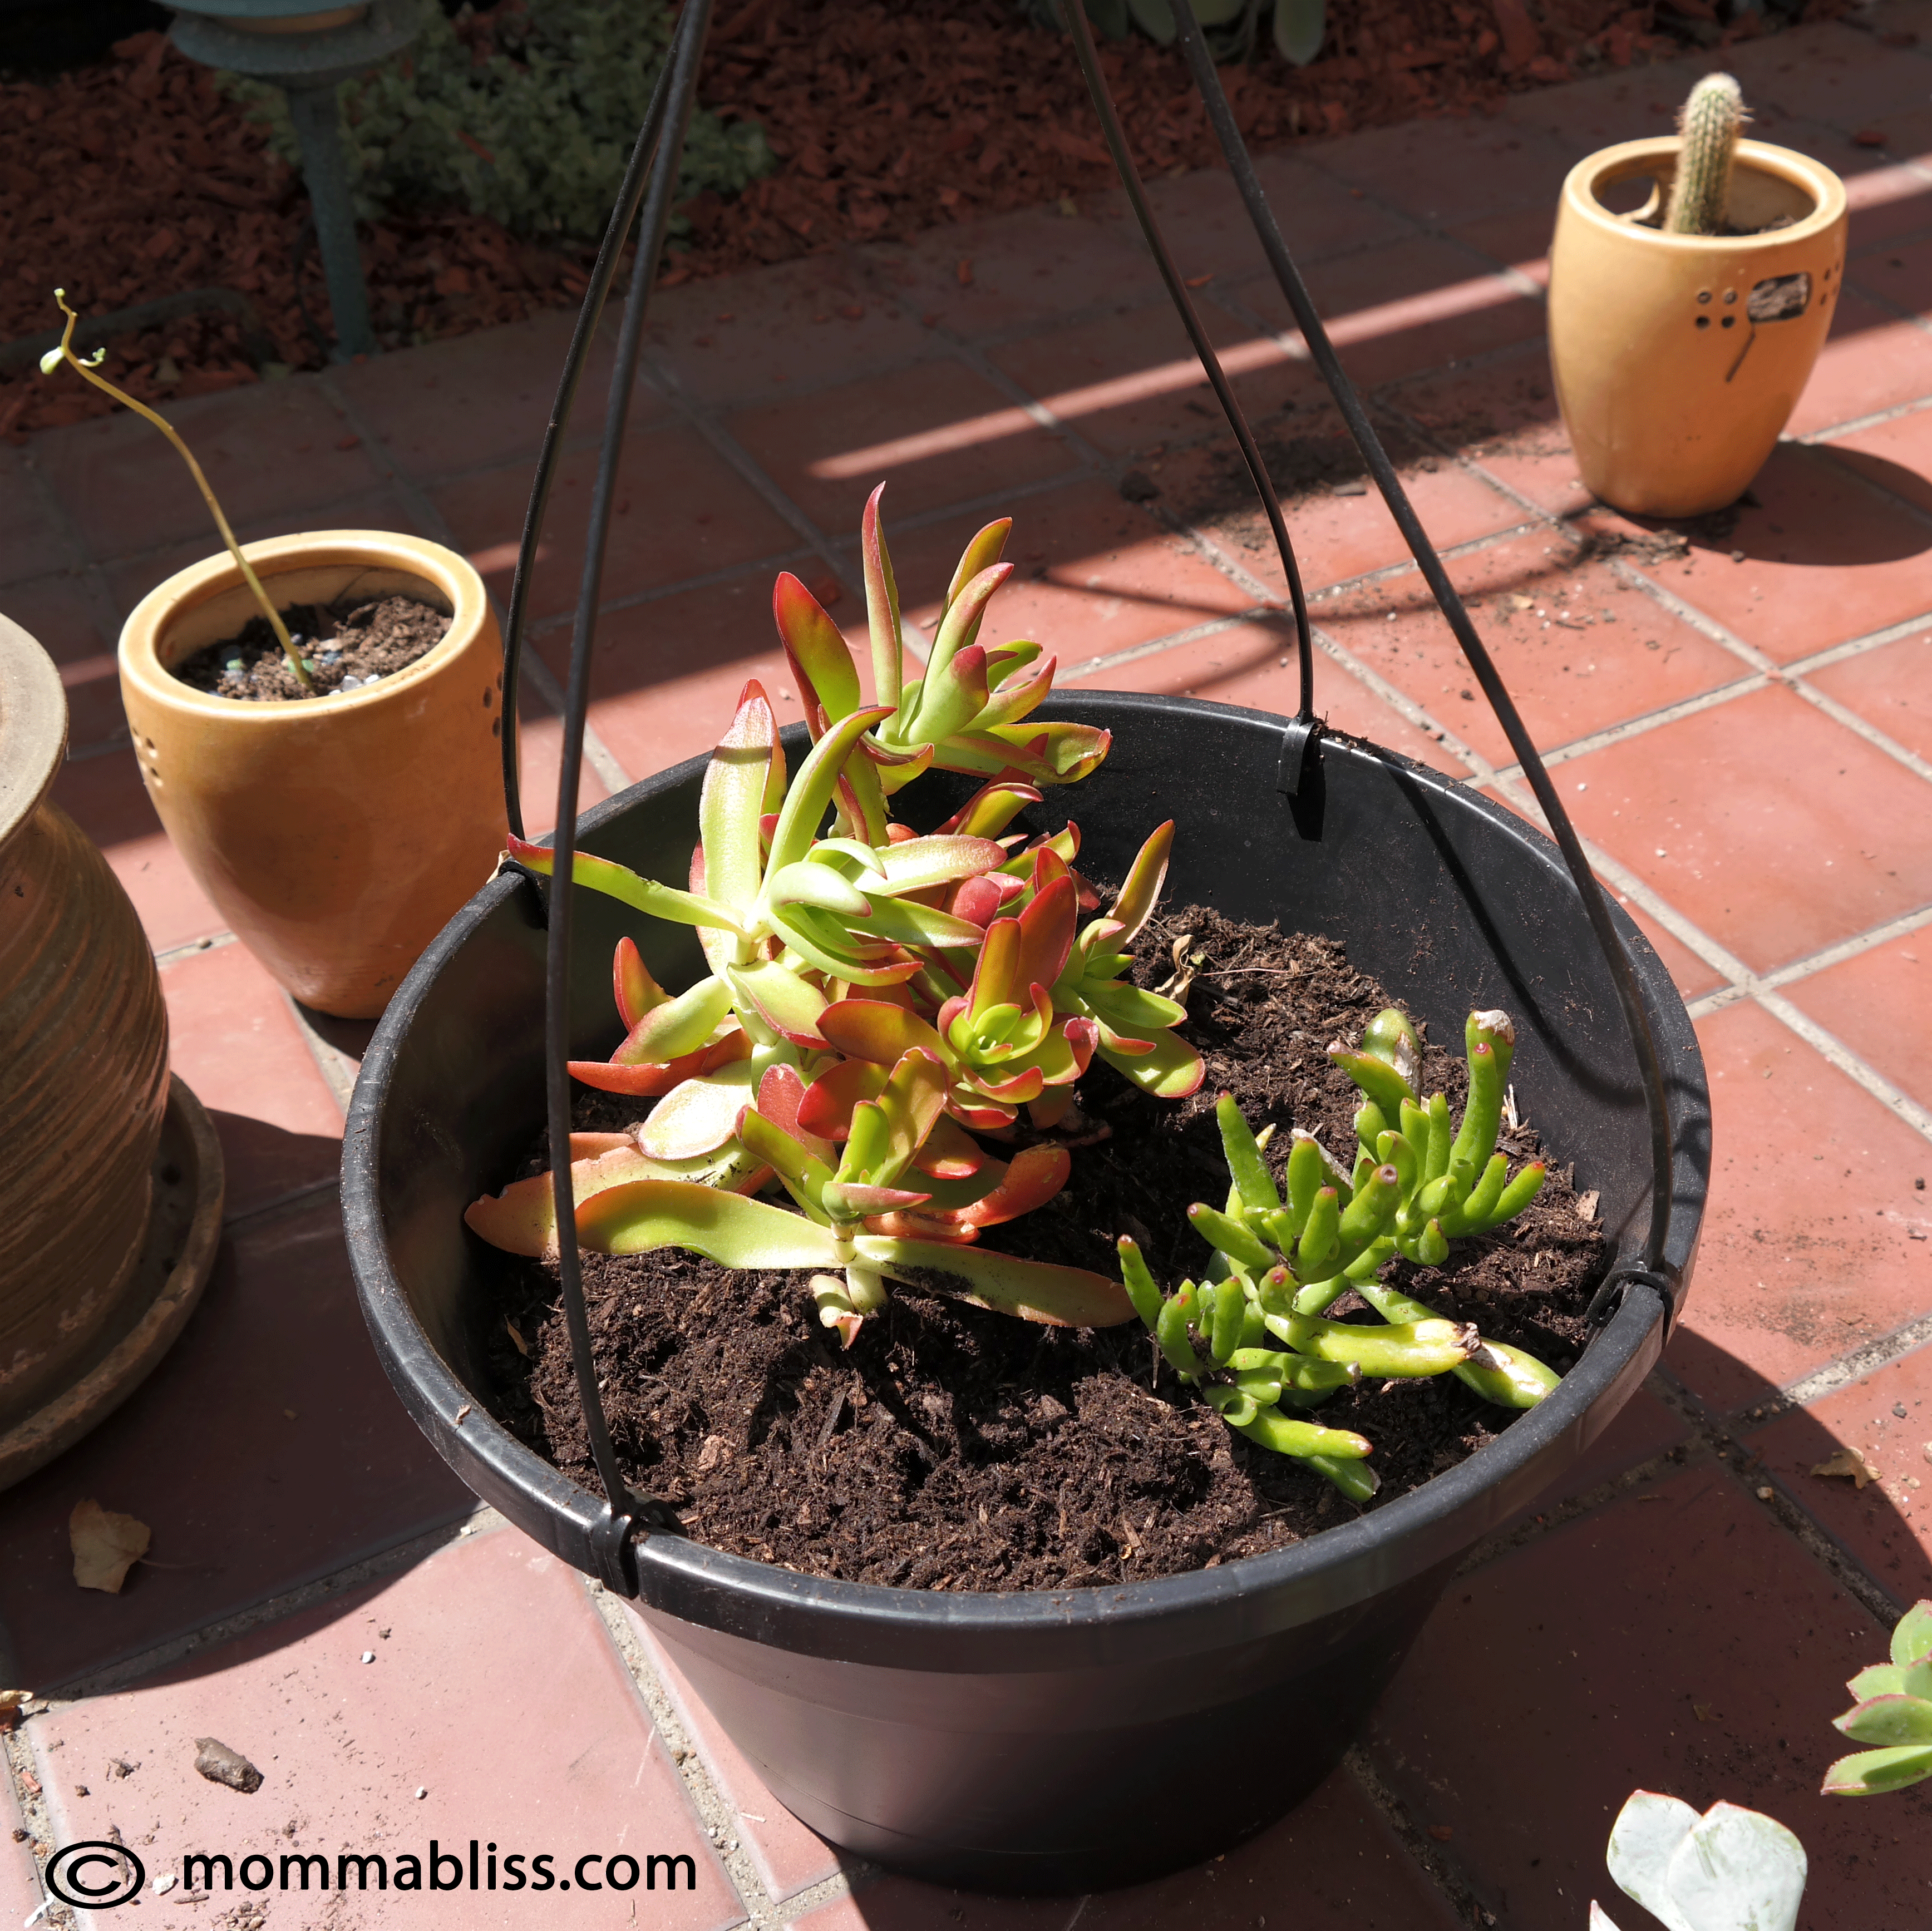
column 86, row 369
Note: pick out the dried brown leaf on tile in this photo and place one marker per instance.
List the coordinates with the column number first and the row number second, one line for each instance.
column 1849, row 1462
column 106, row 1546
column 220, row 1764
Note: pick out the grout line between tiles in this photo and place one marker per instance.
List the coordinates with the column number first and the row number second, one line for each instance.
column 1113, row 659
column 1857, row 424
column 1856, row 1365
column 1859, row 727
column 1857, row 646
column 1846, row 1061
column 610, row 774
column 715, row 1812
column 175, row 955
column 786, row 560
column 1442, row 1871
column 1815, row 962
column 1614, row 734
column 338, row 1069
column 281, row 1203
column 477, row 1519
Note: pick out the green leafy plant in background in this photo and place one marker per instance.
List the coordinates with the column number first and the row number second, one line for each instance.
column 1731, row 1869
column 1234, row 29
column 526, row 116
column 1893, row 1711
column 1283, row 1254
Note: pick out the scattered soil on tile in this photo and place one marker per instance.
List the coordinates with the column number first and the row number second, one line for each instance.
column 887, row 120
column 954, row 1449
column 350, row 644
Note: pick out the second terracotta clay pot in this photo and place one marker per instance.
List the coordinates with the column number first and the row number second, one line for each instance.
column 1678, row 358
column 337, row 835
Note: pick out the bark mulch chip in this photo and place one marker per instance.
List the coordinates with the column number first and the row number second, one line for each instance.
column 954, row 1449
column 350, row 644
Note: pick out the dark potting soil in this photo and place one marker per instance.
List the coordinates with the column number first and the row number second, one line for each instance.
column 350, row 643
column 952, row 1448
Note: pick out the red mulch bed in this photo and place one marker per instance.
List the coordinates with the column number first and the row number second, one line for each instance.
column 136, row 179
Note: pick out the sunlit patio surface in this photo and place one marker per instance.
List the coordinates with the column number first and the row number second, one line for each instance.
column 1740, row 723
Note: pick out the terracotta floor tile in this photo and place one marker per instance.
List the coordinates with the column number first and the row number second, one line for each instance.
column 1643, row 1430
column 1207, row 226
column 34, row 537
column 1863, row 1001
column 805, row 323
column 1609, row 1632
column 1448, row 173
column 487, row 1638
column 1872, row 361
column 66, row 615
column 939, row 433
column 1318, row 216
column 1704, row 810
column 1093, row 573
column 20, row 1890
column 1587, row 651
column 104, row 796
column 681, row 511
column 903, row 1904
column 1624, row 105
column 1130, row 380
column 1894, row 456
column 1886, row 1525
column 1338, row 530
column 1334, row 1856
column 668, row 672
column 131, row 579
column 483, row 399
column 1891, row 688
column 1898, row 273
column 1518, row 238
column 1834, row 74
column 1825, row 558
column 126, row 490
column 1253, row 664
column 789, row 1857
column 1805, row 1253
column 245, row 1502
column 1888, row 196
column 1412, row 305
column 1502, row 413
column 231, row 1036
column 1020, row 270
column 539, row 758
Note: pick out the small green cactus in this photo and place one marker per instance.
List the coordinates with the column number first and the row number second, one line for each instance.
column 1712, row 120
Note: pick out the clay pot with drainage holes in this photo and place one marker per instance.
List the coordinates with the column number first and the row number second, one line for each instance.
column 1678, row 358
column 337, row 835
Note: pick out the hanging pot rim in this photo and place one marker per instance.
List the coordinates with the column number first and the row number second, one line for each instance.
column 1351, row 1562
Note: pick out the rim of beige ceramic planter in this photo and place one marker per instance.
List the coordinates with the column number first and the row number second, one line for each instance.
column 1656, row 155
column 165, row 618
column 33, row 726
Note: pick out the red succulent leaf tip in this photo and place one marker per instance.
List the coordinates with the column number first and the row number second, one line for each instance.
column 642, row 1082
column 1047, row 925
column 595, row 1146
column 848, row 1326
column 1036, row 1175
column 900, row 835
column 825, row 1106
column 631, row 984
column 1083, row 1036
column 976, row 899
column 782, row 1094
column 950, row 1011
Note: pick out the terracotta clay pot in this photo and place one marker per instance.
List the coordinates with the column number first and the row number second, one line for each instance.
column 84, row 1048
column 1678, row 358
column 337, row 835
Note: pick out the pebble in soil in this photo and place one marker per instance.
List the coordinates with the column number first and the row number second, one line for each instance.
column 349, row 645
column 953, row 1448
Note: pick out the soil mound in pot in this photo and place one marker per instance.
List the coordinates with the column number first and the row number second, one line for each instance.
column 952, row 1448
column 350, row 643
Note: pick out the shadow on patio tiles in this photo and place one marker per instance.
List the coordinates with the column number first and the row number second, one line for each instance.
column 265, row 1451
column 1885, row 1525
column 1626, row 1650
column 1814, row 554
column 66, row 616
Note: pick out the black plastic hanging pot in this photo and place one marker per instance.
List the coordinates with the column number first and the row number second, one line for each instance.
column 1049, row 1741
column 1040, row 1740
